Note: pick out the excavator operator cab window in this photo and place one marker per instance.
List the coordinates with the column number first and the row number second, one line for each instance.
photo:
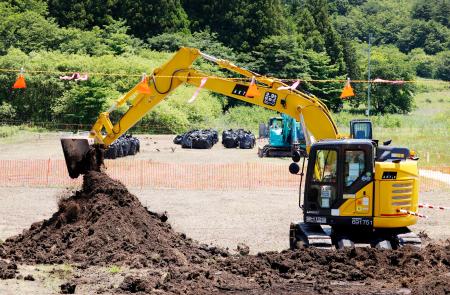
column 325, row 166
column 355, row 165
column 322, row 192
column 276, row 123
column 361, row 129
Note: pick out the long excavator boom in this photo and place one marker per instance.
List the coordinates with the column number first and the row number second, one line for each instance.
column 271, row 93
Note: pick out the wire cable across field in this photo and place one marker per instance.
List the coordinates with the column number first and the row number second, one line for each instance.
column 375, row 81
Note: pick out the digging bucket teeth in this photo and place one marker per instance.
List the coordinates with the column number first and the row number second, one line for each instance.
column 81, row 155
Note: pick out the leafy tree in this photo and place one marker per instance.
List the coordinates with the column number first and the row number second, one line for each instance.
column 239, row 24
column 431, row 36
column 205, row 41
column 37, row 6
column 442, row 65
column 113, row 39
column 321, row 68
column 281, row 56
column 388, row 63
column 83, row 14
column 341, row 7
column 306, row 26
column 115, row 36
column 422, row 62
column 422, row 10
column 353, row 69
column 148, row 19
column 144, row 19
column 314, row 19
column 83, row 102
column 7, row 111
column 437, row 10
column 285, row 57
column 27, row 30
column 31, row 31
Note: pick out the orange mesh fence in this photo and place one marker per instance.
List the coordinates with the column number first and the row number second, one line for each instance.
column 146, row 173
column 191, row 176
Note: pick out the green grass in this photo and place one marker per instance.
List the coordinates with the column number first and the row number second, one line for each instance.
column 244, row 117
column 425, row 130
column 9, row 131
column 114, row 269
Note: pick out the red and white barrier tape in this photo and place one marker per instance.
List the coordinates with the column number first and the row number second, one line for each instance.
column 412, row 213
column 433, row 207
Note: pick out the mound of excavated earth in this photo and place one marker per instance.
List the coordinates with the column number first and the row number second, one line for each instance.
column 104, row 224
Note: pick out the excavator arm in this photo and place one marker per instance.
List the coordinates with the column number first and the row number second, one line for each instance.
column 309, row 110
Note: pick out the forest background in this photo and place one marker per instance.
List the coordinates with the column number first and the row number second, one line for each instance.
column 116, row 41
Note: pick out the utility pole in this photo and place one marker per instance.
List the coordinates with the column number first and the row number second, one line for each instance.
column 368, row 77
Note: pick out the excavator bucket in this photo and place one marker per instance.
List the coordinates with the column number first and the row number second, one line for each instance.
column 81, row 155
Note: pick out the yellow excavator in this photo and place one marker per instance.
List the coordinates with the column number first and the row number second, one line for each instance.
column 357, row 192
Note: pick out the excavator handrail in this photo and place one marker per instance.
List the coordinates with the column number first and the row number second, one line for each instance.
column 313, row 114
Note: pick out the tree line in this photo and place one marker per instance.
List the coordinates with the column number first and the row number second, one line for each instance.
column 306, row 39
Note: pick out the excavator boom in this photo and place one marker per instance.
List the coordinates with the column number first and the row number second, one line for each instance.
column 271, row 94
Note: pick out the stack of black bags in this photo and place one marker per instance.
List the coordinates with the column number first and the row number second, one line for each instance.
column 197, row 139
column 126, row 145
column 238, row 138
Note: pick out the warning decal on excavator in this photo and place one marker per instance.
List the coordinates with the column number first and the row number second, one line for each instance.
column 389, row 175
column 270, row 98
column 240, row 90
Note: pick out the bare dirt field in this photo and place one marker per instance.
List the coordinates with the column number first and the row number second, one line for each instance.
column 158, row 148
column 258, row 218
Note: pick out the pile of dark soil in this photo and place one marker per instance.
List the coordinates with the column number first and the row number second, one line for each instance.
column 8, row 270
column 104, row 224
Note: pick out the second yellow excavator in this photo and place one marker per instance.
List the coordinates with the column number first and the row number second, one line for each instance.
column 357, row 192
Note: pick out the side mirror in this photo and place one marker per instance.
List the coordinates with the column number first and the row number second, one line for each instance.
column 296, row 156
column 387, row 142
column 294, row 168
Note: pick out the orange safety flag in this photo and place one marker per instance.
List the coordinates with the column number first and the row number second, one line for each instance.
column 252, row 90
column 20, row 82
column 348, row 90
column 143, row 86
